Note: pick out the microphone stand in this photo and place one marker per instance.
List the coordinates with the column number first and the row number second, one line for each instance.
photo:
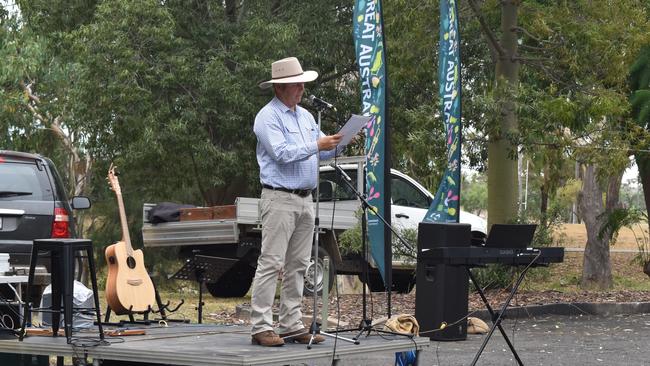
column 315, row 328
column 366, row 205
column 366, row 323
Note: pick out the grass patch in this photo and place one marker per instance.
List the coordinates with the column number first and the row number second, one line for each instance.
column 632, row 284
column 565, row 277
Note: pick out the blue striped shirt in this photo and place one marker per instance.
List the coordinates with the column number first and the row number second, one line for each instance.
column 286, row 146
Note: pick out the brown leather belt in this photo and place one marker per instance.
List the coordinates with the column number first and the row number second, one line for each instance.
column 299, row 192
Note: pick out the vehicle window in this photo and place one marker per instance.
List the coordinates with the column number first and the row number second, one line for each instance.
column 333, row 186
column 24, row 182
column 406, row 194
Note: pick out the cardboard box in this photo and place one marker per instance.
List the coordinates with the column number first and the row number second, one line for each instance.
column 224, row 212
column 196, row 213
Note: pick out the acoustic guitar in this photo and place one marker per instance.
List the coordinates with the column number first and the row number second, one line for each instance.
column 128, row 287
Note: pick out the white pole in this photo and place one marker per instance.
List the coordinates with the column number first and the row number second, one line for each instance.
column 526, row 188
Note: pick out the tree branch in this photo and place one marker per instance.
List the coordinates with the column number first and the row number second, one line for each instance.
column 529, row 47
column 530, row 35
column 495, row 46
column 526, row 32
column 346, row 70
column 552, row 75
column 54, row 124
column 27, row 88
column 531, row 59
column 58, row 130
column 81, row 180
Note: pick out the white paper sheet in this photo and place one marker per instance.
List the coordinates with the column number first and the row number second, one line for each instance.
column 352, row 127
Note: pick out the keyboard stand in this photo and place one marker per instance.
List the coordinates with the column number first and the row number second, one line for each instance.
column 497, row 317
column 476, row 256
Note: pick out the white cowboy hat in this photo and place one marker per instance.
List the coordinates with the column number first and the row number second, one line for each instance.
column 288, row 70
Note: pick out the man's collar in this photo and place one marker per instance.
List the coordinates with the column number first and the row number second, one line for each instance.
column 282, row 106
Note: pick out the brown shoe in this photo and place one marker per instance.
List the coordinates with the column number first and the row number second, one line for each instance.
column 302, row 336
column 267, row 338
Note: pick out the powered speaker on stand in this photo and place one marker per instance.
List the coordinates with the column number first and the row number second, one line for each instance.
column 442, row 290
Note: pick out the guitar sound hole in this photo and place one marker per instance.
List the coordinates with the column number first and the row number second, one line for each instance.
column 130, row 261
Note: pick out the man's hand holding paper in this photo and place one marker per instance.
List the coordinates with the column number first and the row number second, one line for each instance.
column 329, row 142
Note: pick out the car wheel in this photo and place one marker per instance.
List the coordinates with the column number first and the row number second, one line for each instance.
column 314, row 274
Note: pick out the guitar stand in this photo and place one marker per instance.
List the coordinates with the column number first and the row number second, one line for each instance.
column 165, row 307
column 498, row 316
column 202, row 269
column 145, row 320
column 132, row 320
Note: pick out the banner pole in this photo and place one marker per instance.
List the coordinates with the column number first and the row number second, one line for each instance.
column 388, row 242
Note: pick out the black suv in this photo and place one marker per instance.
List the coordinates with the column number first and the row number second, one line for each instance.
column 33, row 205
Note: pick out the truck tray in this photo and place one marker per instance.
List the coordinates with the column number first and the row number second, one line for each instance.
column 200, row 232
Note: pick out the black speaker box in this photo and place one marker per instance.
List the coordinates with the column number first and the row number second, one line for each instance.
column 436, row 235
column 442, row 290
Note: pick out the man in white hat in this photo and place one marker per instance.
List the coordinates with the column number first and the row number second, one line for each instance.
column 288, row 140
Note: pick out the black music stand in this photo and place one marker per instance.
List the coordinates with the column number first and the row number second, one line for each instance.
column 202, row 269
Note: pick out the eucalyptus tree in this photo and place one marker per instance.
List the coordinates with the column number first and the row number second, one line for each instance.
column 34, row 112
column 559, row 91
column 167, row 91
column 576, row 103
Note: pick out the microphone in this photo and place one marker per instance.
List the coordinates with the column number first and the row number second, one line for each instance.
column 321, row 103
column 341, row 172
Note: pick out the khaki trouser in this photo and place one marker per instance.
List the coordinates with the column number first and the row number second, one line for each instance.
column 287, row 234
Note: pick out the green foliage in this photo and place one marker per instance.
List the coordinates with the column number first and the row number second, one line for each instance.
column 406, row 252
column 640, row 100
column 494, row 276
column 568, row 193
column 474, row 197
column 350, row 242
column 615, row 220
column 633, row 219
column 572, row 106
column 632, row 196
column 167, row 90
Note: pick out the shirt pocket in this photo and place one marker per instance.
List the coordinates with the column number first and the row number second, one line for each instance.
column 311, row 132
column 293, row 134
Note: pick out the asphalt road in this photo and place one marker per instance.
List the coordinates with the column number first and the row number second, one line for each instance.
column 548, row 340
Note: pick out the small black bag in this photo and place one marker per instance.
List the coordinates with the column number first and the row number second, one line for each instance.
column 166, row 212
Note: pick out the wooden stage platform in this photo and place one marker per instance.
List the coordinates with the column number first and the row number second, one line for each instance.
column 200, row 344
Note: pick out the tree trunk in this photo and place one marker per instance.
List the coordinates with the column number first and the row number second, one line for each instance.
column 597, row 269
column 543, row 203
column 502, row 155
column 231, row 11
column 643, row 163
